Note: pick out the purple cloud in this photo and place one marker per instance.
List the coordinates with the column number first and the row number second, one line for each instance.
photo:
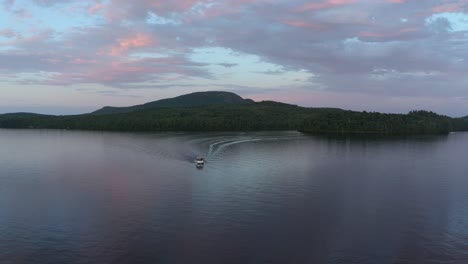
column 378, row 47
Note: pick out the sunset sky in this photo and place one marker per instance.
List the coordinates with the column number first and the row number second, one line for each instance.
column 64, row 57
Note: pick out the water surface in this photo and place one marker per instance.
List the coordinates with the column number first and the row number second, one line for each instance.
column 271, row 197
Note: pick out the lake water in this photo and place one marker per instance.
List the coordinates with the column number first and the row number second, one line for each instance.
column 271, row 197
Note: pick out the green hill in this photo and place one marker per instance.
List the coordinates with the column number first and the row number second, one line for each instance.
column 228, row 112
column 415, row 122
column 22, row 120
column 187, row 100
column 229, row 117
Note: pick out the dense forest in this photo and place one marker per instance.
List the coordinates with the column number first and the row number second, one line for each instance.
column 243, row 116
column 415, row 122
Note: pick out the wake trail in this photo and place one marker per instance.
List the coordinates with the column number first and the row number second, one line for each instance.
column 229, row 143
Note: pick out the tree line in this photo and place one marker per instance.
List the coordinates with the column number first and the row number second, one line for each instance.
column 246, row 117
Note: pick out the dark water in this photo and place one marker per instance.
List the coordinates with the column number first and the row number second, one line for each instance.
column 283, row 197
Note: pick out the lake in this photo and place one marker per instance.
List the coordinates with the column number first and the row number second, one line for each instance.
column 263, row 197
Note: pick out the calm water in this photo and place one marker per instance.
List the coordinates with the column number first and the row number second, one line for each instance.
column 282, row 197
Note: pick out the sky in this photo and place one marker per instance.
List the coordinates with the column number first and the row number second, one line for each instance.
column 69, row 57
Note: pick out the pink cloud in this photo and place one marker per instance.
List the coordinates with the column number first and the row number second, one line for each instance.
column 312, row 6
column 120, row 9
column 403, row 31
column 103, row 73
column 81, row 61
column 180, row 6
column 449, row 7
column 7, row 33
column 95, row 8
column 125, row 44
column 125, row 72
column 123, row 9
column 31, row 40
column 219, row 9
column 302, row 24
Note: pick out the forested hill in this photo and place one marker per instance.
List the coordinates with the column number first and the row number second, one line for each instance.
column 251, row 116
column 415, row 122
column 187, row 100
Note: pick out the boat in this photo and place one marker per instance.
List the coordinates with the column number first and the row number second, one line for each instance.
column 200, row 162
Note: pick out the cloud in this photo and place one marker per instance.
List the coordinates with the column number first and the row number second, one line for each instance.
column 227, row 65
column 127, row 74
column 124, row 45
column 93, row 9
column 7, row 33
column 385, row 47
column 456, row 6
column 48, row 3
column 314, row 5
column 8, row 4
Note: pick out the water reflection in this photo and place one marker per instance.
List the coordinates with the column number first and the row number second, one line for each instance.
column 271, row 197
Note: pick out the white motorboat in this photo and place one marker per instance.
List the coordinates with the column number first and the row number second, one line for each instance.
column 199, row 162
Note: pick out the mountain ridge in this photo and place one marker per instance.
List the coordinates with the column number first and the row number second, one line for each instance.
column 224, row 111
column 186, row 100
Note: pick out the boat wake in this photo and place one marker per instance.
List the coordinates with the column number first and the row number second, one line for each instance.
column 187, row 147
column 217, row 147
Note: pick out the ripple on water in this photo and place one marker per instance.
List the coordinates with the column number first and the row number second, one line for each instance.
column 277, row 197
